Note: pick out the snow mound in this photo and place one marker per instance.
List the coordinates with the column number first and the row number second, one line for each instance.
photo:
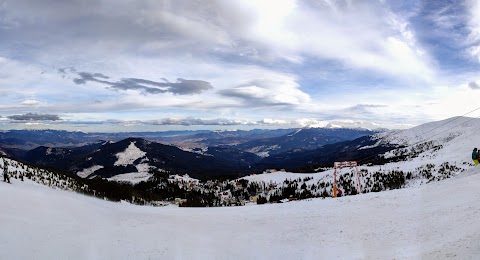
column 142, row 174
column 132, row 177
column 86, row 172
column 131, row 154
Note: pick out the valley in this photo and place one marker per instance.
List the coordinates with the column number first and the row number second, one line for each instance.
column 225, row 175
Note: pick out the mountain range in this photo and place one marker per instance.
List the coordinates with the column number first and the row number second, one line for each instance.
column 447, row 141
column 91, row 159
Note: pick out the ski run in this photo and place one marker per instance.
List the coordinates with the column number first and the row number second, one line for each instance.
column 434, row 221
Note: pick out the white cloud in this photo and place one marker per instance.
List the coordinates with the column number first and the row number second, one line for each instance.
column 263, row 87
column 473, row 39
column 315, row 123
column 361, row 34
column 30, row 102
column 273, row 121
column 217, row 42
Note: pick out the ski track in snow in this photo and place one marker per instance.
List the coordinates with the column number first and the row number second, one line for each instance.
column 128, row 156
column 434, row 221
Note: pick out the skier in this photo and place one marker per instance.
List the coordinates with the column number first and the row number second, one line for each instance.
column 339, row 193
column 6, row 178
column 475, row 156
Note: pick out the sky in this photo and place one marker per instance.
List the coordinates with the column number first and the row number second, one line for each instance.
column 133, row 65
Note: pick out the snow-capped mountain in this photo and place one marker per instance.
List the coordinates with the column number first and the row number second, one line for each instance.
column 451, row 140
column 136, row 159
column 431, row 147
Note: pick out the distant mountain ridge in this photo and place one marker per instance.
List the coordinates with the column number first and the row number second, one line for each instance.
column 151, row 156
column 98, row 158
column 301, row 140
column 104, row 159
column 449, row 141
column 30, row 139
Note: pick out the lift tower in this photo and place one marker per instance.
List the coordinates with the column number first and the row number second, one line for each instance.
column 339, row 166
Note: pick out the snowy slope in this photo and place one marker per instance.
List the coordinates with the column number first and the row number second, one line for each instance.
column 451, row 140
column 444, row 146
column 461, row 134
column 133, row 177
column 86, row 172
column 434, row 221
column 130, row 155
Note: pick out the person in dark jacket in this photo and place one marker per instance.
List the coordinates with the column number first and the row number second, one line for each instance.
column 475, row 156
column 339, row 193
column 6, row 178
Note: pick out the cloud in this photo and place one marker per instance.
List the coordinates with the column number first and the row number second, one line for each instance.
column 181, row 87
column 292, row 32
column 34, row 117
column 302, row 122
column 473, row 85
column 191, row 121
column 473, row 40
column 198, row 121
column 85, row 77
column 273, row 90
column 300, row 57
column 318, row 123
column 365, row 106
column 65, row 71
column 270, row 121
column 30, row 102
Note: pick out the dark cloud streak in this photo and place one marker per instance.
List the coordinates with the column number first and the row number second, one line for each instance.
column 195, row 121
column 34, row 117
column 181, row 87
column 473, row 85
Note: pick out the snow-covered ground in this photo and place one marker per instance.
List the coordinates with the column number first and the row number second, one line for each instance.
column 86, row 172
column 132, row 177
column 445, row 146
column 279, row 177
column 142, row 174
column 130, row 155
column 435, row 221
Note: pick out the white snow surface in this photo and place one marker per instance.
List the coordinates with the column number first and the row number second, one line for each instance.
column 142, row 174
column 86, row 172
column 185, row 178
column 279, row 177
column 129, row 156
column 444, row 130
column 296, row 132
column 449, row 141
column 434, row 221
column 132, row 177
